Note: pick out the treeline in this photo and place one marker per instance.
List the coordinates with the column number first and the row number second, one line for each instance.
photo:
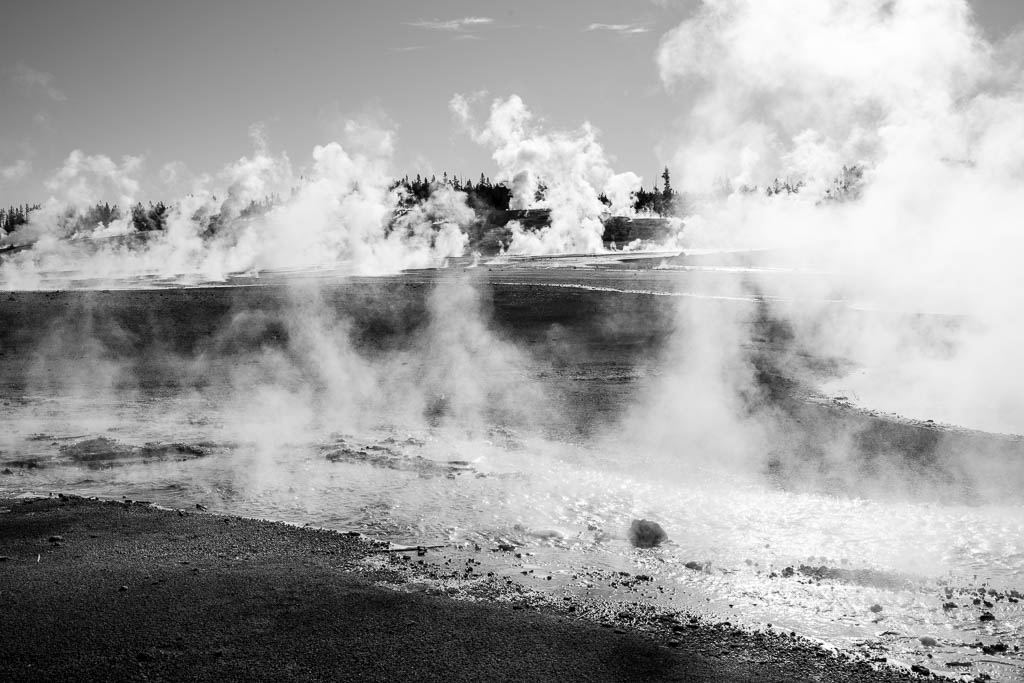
column 482, row 196
column 485, row 195
column 663, row 202
column 846, row 186
column 14, row 217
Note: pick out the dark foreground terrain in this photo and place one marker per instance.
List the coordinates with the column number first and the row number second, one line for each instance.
column 94, row 590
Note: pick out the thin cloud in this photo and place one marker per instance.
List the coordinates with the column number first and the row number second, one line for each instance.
column 451, row 25
column 408, row 48
column 16, row 171
column 31, row 78
column 621, row 29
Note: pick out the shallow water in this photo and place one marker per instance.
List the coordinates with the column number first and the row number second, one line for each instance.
column 566, row 507
column 866, row 572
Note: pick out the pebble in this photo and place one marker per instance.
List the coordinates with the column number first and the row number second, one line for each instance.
column 122, row 589
column 928, row 641
column 876, row 608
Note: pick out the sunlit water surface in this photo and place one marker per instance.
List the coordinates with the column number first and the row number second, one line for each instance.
column 741, row 550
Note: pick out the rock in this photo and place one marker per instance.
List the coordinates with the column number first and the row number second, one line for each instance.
column 928, row 641
column 922, row 670
column 646, row 534
column 122, row 589
column 876, row 608
column 55, row 539
column 987, row 616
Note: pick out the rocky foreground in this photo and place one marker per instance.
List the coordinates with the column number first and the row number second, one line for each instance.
column 94, row 590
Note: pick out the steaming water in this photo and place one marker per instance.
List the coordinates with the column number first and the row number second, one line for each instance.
column 566, row 506
column 742, row 547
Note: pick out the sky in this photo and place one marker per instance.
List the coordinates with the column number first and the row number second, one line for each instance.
column 164, row 92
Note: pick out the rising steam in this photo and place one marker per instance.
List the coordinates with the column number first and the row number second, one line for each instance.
column 571, row 167
column 911, row 92
column 340, row 213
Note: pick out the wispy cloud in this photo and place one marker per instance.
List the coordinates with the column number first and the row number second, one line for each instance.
column 407, row 48
column 16, row 171
column 621, row 29
column 31, row 78
column 451, row 25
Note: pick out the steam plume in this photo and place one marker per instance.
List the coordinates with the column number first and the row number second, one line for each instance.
column 571, row 165
column 342, row 213
column 913, row 93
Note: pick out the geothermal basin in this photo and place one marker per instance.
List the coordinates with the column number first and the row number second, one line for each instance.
column 523, row 413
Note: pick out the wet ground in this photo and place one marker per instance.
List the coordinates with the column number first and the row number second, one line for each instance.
column 520, row 416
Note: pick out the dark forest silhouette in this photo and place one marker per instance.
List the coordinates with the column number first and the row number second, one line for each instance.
column 489, row 200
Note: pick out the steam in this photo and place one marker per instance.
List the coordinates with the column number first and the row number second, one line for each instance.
column 911, row 92
column 802, row 88
column 564, row 171
column 340, row 213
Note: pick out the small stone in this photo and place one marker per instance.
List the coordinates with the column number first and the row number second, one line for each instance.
column 922, row 670
column 928, row 641
column 876, row 608
column 646, row 534
column 122, row 589
column 55, row 539
column 987, row 616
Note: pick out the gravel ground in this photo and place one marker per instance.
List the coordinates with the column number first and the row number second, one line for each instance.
column 104, row 590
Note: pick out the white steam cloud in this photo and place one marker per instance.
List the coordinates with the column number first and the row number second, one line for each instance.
column 342, row 213
column 564, row 171
column 912, row 93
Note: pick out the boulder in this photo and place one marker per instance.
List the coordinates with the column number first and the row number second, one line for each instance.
column 646, row 534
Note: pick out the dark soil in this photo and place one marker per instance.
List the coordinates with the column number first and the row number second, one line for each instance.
column 95, row 590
